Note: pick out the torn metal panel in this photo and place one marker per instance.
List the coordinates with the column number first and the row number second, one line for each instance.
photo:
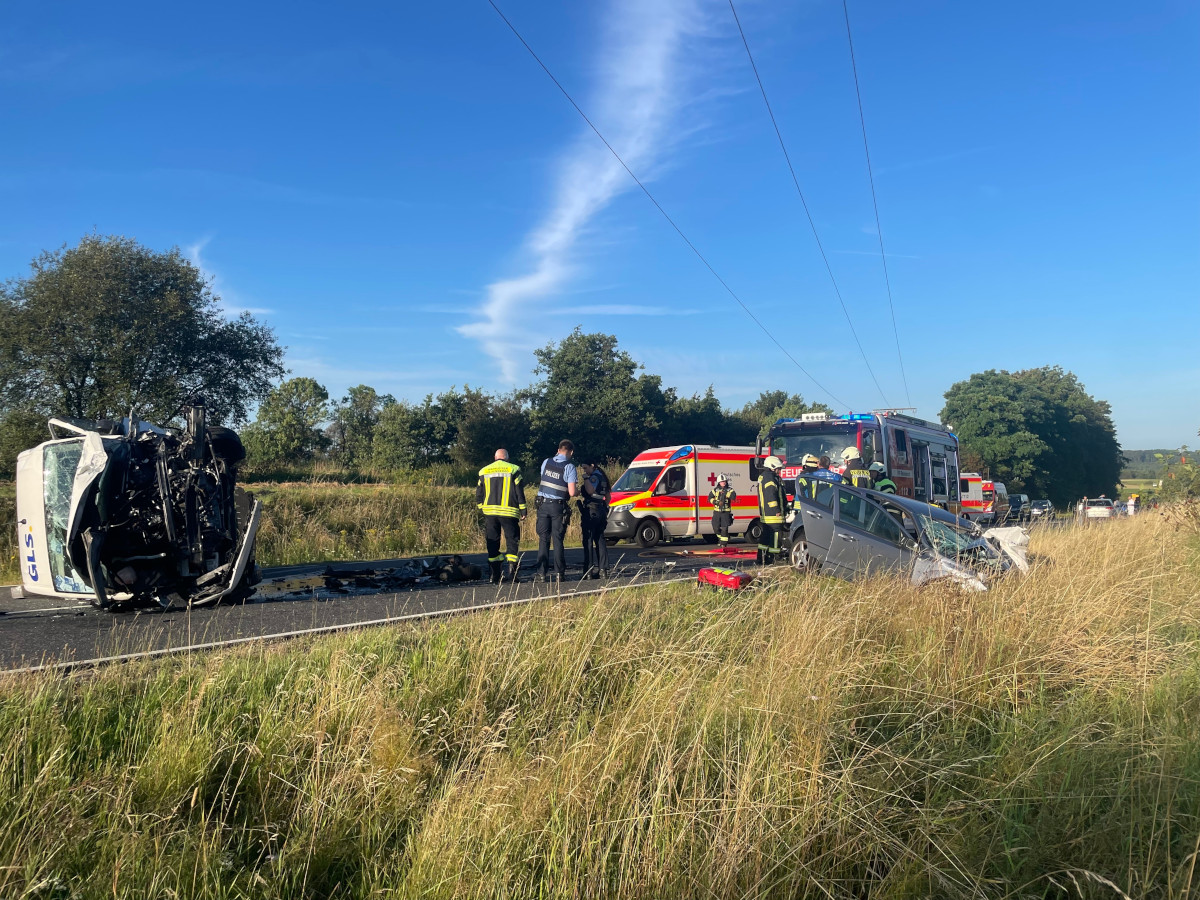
column 1013, row 542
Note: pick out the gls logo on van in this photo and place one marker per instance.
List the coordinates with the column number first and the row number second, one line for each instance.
column 30, row 559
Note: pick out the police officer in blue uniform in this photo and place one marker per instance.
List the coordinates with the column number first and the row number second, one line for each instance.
column 558, row 484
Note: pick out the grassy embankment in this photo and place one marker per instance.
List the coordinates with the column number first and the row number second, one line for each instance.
column 807, row 739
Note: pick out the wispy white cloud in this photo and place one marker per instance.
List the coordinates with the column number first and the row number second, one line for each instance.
column 228, row 300
column 634, row 103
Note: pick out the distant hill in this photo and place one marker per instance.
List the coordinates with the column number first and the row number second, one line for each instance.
column 1142, row 464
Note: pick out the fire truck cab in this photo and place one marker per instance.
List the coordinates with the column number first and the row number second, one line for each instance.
column 921, row 457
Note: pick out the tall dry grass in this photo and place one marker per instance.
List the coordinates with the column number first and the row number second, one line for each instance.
column 807, row 739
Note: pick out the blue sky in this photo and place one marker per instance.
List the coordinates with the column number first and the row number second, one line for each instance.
column 407, row 199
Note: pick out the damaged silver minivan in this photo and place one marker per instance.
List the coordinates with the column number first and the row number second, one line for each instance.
column 848, row 532
column 125, row 514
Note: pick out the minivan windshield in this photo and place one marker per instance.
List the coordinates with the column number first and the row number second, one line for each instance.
column 636, row 479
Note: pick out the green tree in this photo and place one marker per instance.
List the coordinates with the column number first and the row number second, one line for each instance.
column 595, row 394
column 110, row 325
column 286, row 429
column 1038, row 431
column 486, row 424
column 353, row 421
column 770, row 406
column 702, row 419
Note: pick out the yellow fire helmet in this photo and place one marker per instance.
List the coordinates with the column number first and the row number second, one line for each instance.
column 773, row 463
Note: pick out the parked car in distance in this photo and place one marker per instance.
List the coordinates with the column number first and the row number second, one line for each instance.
column 1041, row 509
column 1099, row 508
column 848, row 532
column 1018, row 507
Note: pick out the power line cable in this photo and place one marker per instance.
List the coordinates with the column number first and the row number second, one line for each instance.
column 875, row 201
column 796, row 181
column 658, row 206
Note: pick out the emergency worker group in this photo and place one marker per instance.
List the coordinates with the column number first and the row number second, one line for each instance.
column 500, row 497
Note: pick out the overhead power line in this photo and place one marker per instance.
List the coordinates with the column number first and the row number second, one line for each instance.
column 875, row 201
column 796, row 181
column 658, row 206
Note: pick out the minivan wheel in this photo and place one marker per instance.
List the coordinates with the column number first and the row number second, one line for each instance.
column 754, row 532
column 800, row 559
column 649, row 533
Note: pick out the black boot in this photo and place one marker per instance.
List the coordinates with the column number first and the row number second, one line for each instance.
column 497, row 571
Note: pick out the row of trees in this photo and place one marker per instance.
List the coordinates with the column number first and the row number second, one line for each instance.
column 108, row 325
column 589, row 390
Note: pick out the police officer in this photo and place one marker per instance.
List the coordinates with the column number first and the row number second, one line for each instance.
column 593, row 507
column 500, row 496
column 722, row 497
column 855, row 470
column 556, row 487
column 881, row 482
column 805, row 482
column 772, row 507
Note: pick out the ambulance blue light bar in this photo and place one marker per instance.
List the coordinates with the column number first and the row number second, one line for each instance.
column 681, row 452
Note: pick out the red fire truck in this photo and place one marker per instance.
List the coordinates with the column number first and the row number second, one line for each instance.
column 921, row 457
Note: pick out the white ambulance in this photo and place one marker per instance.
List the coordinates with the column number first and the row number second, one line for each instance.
column 664, row 494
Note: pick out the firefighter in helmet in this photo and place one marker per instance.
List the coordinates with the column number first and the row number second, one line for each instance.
column 879, row 479
column 855, row 471
column 772, row 508
column 722, row 497
column 805, row 482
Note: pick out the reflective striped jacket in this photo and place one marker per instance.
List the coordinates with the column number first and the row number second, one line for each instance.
column 500, row 492
column 771, row 499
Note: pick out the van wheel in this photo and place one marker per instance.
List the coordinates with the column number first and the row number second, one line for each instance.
column 754, row 532
column 649, row 533
column 798, row 555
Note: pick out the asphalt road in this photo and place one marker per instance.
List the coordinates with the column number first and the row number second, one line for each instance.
column 48, row 632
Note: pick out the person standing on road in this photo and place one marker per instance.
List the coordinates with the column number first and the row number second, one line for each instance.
column 722, row 497
column 593, row 507
column 557, row 486
column 879, row 479
column 806, row 485
column 500, row 496
column 855, row 470
column 772, row 507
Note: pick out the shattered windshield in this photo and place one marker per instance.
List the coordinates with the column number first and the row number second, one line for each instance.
column 637, row 479
column 59, row 462
column 957, row 542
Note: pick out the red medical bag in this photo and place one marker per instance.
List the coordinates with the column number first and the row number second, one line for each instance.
column 730, row 579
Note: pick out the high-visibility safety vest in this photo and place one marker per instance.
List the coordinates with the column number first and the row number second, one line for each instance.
column 500, row 492
column 858, row 477
column 806, row 485
column 771, row 499
column 722, row 499
column 885, row 486
column 553, row 484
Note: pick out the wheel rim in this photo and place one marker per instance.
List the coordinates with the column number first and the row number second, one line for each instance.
column 800, row 555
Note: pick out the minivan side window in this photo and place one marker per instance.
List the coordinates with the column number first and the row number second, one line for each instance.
column 825, row 494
